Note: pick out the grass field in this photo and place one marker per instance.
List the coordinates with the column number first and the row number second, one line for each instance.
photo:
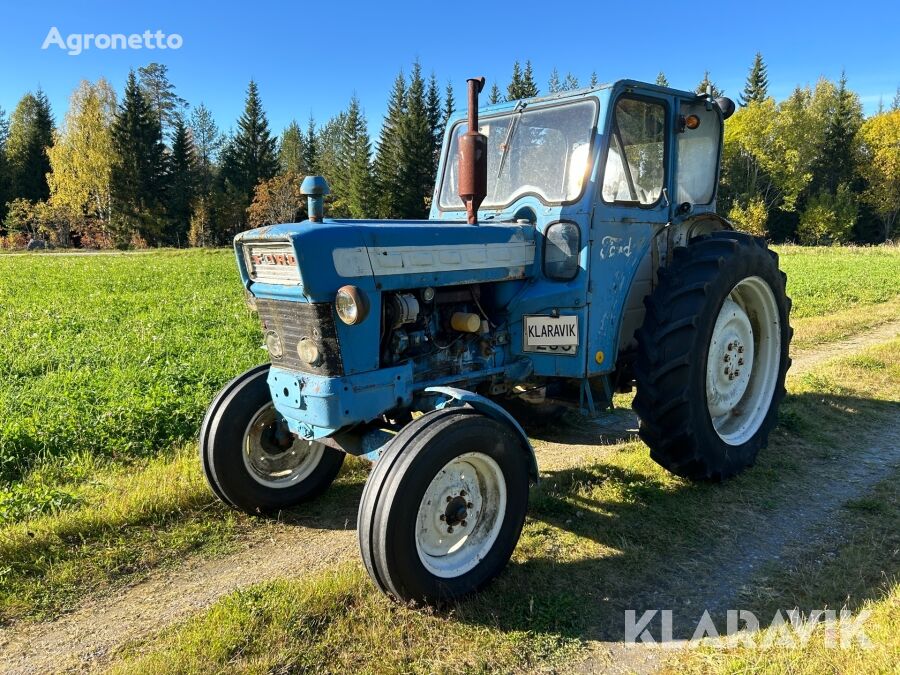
column 107, row 364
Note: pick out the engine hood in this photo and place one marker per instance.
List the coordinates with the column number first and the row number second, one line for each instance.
column 387, row 255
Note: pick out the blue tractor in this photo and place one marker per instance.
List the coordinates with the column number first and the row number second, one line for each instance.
column 572, row 250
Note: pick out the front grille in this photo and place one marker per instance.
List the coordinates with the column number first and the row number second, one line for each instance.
column 295, row 320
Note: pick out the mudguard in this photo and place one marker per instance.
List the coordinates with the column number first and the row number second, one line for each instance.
column 493, row 410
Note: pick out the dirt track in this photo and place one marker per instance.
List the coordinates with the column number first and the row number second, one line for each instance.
column 86, row 637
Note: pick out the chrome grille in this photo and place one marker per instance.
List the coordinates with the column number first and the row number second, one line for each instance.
column 292, row 321
column 272, row 263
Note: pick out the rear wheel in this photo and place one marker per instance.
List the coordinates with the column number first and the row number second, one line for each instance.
column 444, row 507
column 712, row 356
column 251, row 459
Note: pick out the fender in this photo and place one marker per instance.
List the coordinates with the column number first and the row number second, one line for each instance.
column 493, row 410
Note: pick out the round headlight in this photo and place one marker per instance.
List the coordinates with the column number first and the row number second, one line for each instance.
column 351, row 305
column 273, row 345
column 308, row 351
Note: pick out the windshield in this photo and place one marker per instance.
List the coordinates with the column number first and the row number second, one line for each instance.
column 542, row 151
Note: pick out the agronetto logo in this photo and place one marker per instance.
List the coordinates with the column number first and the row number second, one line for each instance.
column 76, row 43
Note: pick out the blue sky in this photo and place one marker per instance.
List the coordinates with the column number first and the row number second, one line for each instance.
column 309, row 58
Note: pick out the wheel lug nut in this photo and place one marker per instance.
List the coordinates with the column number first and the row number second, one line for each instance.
column 449, row 498
column 728, row 371
column 727, row 358
column 741, row 349
column 730, row 346
column 463, row 523
column 468, row 505
column 740, row 362
column 443, row 517
column 450, row 530
column 737, row 373
column 462, row 493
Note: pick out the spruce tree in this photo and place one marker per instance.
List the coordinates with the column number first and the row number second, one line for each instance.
column 139, row 172
column 708, row 84
column 495, row 96
column 449, row 109
column 207, row 141
column 310, row 148
column 662, row 80
column 388, row 156
column 514, row 90
column 895, row 104
column 254, row 146
column 4, row 169
column 30, row 134
column 836, row 162
column 594, row 79
column 433, row 109
column 182, row 182
column 357, row 169
column 529, row 87
column 417, row 154
column 757, row 87
column 291, row 150
column 554, row 85
column 571, row 82
column 160, row 92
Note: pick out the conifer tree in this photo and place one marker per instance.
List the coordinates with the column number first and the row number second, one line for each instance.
column 182, row 182
column 139, row 173
column 529, row 87
column 757, row 87
column 571, row 82
column 310, row 148
column 388, row 156
column 30, row 134
column 707, row 84
column 4, row 169
column 836, row 162
column 895, row 104
column 594, row 79
column 495, row 96
column 160, row 92
column 449, row 109
column 513, row 91
column 291, row 150
column 554, row 85
column 254, row 146
column 207, row 141
column 356, row 160
column 433, row 109
column 417, row 143
column 662, row 80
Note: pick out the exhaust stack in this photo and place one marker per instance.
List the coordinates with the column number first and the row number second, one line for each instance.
column 473, row 157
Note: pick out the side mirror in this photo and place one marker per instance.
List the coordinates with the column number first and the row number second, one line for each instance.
column 726, row 105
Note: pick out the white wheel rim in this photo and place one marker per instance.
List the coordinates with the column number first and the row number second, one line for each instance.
column 743, row 361
column 273, row 464
column 460, row 515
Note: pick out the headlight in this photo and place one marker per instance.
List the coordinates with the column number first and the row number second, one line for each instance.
column 351, row 305
column 273, row 345
column 308, row 351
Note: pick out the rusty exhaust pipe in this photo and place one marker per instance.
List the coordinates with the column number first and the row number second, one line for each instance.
column 473, row 157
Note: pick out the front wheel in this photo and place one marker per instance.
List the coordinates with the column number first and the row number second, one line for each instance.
column 251, row 459
column 444, row 506
column 712, row 356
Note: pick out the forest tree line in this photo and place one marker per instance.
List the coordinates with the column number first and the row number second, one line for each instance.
column 147, row 168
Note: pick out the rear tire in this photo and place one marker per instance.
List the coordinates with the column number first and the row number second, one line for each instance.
column 251, row 460
column 444, row 506
column 713, row 356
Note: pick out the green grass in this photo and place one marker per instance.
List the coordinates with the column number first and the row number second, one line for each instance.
column 596, row 538
column 107, row 364
column 825, row 280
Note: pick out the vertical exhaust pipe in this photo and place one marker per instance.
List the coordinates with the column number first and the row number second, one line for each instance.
column 473, row 157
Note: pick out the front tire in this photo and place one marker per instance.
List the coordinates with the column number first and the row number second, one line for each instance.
column 250, row 458
column 444, row 506
column 713, row 356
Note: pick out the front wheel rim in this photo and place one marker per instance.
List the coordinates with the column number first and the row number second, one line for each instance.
column 460, row 515
column 273, row 456
column 743, row 361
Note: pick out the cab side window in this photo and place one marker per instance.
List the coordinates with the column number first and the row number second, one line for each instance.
column 635, row 166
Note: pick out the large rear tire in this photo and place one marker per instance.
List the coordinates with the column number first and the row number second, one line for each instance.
column 251, row 460
column 444, row 506
column 713, row 356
